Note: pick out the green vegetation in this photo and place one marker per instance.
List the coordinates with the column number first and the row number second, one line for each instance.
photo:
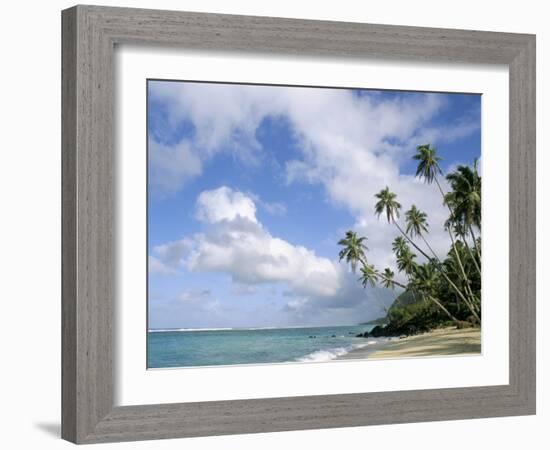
column 437, row 291
column 379, row 321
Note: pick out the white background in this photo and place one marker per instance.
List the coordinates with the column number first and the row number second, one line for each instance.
column 134, row 385
column 30, row 225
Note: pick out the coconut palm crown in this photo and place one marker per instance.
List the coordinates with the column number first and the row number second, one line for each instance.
column 387, row 204
column 354, row 249
column 416, row 221
column 465, row 196
column 406, row 262
column 387, row 281
column 428, row 163
column 399, row 245
column 369, row 276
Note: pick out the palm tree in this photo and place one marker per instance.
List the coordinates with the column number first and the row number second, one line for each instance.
column 387, row 203
column 453, row 271
column 465, row 202
column 466, row 194
column 354, row 252
column 428, row 168
column 417, row 225
column 399, row 245
column 368, row 275
column 354, row 249
column 428, row 163
column 405, row 257
column 425, row 281
column 416, row 221
column 388, row 281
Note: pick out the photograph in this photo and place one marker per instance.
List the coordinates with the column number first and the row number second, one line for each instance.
column 259, row 225
column 311, row 224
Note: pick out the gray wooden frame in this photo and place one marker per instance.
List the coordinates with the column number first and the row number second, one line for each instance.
column 89, row 36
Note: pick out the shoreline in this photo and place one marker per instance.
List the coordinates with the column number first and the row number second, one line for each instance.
column 440, row 342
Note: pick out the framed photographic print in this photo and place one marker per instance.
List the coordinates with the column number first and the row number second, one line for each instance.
column 335, row 219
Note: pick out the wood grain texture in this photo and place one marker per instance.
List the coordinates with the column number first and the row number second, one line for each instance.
column 89, row 36
column 68, row 225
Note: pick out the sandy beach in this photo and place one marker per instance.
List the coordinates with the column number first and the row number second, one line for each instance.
column 441, row 342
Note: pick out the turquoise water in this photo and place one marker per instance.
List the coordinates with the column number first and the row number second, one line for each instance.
column 184, row 348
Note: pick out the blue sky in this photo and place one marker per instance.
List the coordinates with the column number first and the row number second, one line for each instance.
column 250, row 188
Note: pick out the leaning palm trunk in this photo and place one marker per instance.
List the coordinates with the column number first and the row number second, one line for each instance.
column 438, row 303
column 385, row 278
column 445, row 310
column 459, row 261
column 470, row 304
column 381, row 275
column 472, row 256
column 474, row 242
column 453, row 285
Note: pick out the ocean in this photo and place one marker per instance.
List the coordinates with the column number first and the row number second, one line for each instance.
column 212, row 347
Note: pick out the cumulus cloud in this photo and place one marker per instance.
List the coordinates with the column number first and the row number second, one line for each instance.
column 225, row 204
column 235, row 243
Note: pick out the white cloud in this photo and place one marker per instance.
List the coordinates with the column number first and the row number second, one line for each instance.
column 318, row 289
column 225, row 204
column 237, row 244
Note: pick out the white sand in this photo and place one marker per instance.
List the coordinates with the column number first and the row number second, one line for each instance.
column 441, row 342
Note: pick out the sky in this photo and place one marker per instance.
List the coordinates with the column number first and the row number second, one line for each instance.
column 250, row 187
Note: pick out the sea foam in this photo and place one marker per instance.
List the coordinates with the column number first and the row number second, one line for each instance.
column 332, row 353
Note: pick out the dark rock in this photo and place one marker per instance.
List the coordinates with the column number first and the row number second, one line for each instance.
column 362, row 335
column 377, row 331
